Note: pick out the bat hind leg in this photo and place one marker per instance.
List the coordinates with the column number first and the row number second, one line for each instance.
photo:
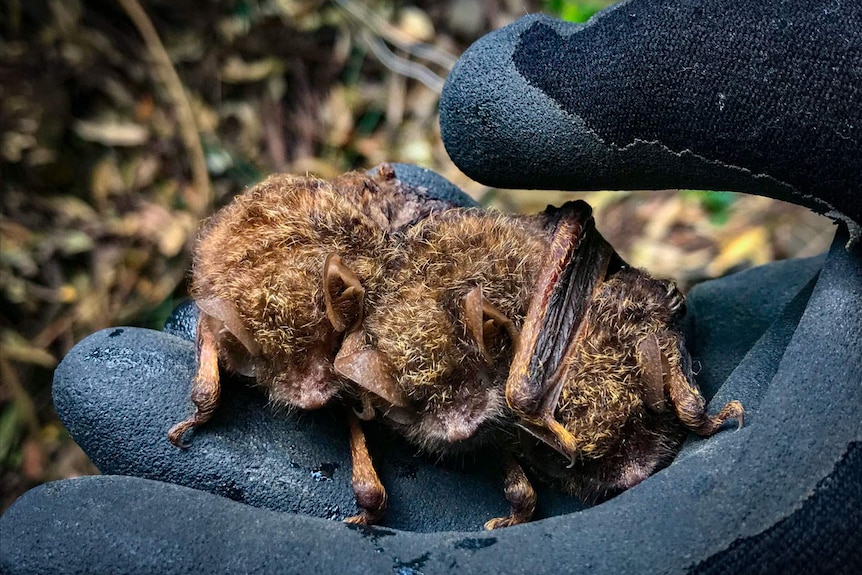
column 520, row 495
column 369, row 491
column 206, row 388
column 690, row 407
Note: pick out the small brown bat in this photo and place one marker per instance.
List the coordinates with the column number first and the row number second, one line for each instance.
column 461, row 328
column 272, row 282
column 443, row 326
column 279, row 278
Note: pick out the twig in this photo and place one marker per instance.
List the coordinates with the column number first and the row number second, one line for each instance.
column 179, row 97
column 53, row 330
column 369, row 19
column 403, row 66
column 376, row 31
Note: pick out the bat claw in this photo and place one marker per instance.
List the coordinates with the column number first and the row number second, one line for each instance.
column 366, row 517
column 175, row 433
column 552, row 432
column 497, row 523
column 732, row 410
column 360, row 519
column 508, row 521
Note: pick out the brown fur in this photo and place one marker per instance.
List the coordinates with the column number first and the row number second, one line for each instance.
column 264, row 254
column 420, row 322
column 621, row 439
column 418, row 325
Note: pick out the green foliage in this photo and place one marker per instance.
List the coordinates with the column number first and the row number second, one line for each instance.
column 717, row 204
column 10, row 437
column 222, row 163
column 575, row 10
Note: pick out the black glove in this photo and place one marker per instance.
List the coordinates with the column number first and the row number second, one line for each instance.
column 654, row 94
column 782, row 494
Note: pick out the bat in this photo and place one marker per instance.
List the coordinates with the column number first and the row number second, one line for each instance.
column 460, row 328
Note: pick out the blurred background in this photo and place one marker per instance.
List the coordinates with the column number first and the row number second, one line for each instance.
column 124, row 122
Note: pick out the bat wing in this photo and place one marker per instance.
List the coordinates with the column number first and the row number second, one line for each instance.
column 578, row 262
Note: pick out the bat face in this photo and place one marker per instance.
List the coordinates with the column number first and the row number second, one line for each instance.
column 257, row 281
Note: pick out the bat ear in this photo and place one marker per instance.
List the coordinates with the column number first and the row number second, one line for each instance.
column 385, row 172
column 368, row 368
column 343, row 293
column 652, row 363
column 227, row 315
column 482, row 319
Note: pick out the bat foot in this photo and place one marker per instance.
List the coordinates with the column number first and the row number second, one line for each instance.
column 520, row 495
column 732, row 410
column 175, row 433
column 508, row 521
column 365, row 517
column 369, row 492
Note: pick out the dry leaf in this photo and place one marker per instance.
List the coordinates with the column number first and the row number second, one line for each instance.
column 415, row 24
column 749, row 247
column 16, row 348
column 237, row 71
column 111, row 133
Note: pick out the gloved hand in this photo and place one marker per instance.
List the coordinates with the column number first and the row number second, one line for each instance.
column 650, row 94
column 659, row 94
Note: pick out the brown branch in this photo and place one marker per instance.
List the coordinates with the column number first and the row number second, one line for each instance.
column 177, row 93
